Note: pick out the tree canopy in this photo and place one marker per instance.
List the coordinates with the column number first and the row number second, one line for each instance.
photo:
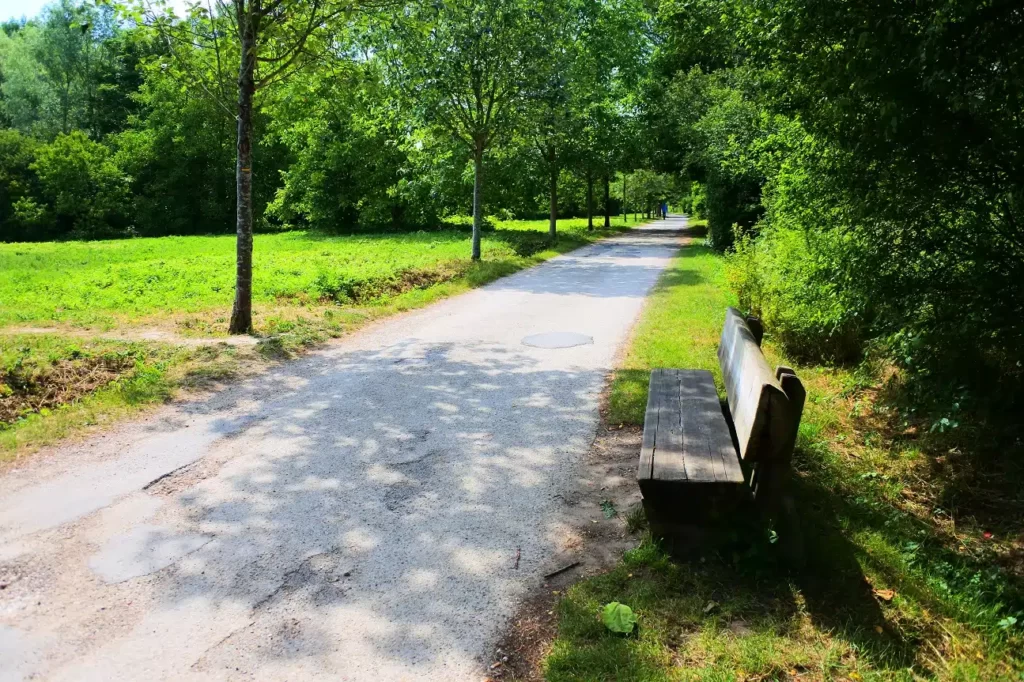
column 861, row 162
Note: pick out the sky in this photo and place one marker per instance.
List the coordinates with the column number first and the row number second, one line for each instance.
column 16, row 9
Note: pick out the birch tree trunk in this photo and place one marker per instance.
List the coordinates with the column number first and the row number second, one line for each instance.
column 625, row 216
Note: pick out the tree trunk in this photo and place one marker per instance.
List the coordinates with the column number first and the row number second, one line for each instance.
column 553, row 219
column 590, row 202
column 241, row 314
column 607, row 203
column 478, row 183
column 625, row 216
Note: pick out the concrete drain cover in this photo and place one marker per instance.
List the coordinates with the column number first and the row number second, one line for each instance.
column 557, row 340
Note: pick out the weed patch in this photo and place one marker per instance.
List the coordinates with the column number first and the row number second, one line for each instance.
column 39, row 388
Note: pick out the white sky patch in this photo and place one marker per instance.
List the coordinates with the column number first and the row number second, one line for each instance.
column 28, row 9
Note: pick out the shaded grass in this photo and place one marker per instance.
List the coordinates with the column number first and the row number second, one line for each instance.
column 894, row 588
column 310, row 288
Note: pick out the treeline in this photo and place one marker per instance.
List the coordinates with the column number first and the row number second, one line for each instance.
column 866, row 163
column 115, row 126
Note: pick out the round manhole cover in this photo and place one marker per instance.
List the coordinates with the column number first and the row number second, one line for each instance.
column 557, row 340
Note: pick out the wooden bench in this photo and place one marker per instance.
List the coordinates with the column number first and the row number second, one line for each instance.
column 700, row 460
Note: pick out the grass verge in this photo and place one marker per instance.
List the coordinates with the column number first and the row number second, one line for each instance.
column 898, row 585
column 95, row 308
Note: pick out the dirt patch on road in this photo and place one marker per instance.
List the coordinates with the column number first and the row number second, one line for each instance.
column 597, row 515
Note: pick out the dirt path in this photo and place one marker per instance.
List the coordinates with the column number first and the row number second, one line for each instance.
column 371, row 512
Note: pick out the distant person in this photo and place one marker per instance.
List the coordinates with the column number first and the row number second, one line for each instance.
column 664, row 209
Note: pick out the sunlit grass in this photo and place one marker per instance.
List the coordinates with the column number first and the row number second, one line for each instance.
column 308, row 288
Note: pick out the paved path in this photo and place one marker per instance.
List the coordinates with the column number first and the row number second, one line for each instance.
column 354, row 515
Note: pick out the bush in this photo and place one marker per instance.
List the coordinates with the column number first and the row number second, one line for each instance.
column 788, row 280
column 87, row 190
column 24, row 214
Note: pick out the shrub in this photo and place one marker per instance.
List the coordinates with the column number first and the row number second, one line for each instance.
column 788, row 280
column 24, row 214
column 88, row 192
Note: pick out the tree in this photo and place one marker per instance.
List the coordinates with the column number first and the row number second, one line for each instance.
column 64, row 52
column 550, row 115
column 466, row 67
column 613, row 42
column 22, row 215
column 271, row 39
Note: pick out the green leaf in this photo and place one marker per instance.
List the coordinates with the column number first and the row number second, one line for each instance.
column 619, row 618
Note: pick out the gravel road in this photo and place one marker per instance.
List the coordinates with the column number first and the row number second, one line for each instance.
column 369, row 512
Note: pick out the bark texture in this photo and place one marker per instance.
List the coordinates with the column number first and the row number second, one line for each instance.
column 607, row 203
column 590, row 202
column 553, row 217
column 478, row 183
column 241, row 313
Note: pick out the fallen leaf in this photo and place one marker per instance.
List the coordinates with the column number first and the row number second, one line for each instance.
column 878, row 629
column 618, row 618
column 885, row 595
column 710, row 606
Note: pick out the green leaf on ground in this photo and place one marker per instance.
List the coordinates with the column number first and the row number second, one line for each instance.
column 619, row 618
column 608, row 507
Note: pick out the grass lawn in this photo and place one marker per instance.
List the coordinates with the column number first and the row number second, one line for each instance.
column 902, row 582
column 106, row 284
column 101, row 304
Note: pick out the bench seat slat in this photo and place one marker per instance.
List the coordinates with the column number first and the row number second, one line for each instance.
column 686, row 435
column 654, row 395
column 700, row 410
column 669, row 460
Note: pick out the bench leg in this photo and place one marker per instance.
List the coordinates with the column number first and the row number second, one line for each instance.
column 691, row 516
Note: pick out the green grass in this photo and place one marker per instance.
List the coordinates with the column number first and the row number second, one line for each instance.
column 104, row 284
column 307, row 288
column 874, row 518
column 33, row 367
column 675, row 330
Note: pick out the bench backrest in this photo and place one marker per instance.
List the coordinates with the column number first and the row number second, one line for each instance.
column 765, row 405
